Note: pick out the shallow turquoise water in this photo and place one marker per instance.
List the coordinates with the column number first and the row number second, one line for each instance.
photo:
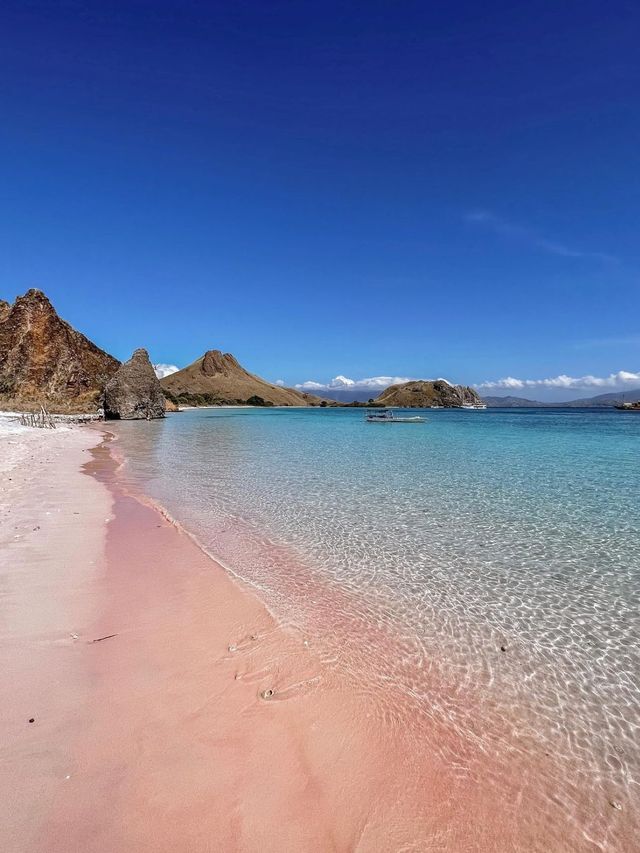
column 477, row 530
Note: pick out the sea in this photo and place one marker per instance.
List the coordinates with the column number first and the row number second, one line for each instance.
column 481, row 563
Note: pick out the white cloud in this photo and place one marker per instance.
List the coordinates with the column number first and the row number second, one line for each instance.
column 523, row 234
column 163, row 370
column 614, row 380
column 310, row 385
column 279, row 382
column 375, row 383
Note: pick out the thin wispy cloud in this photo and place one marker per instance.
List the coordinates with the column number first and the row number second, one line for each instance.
column 617, row 380
column 523, row 234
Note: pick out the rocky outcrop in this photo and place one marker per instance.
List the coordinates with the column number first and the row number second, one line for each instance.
column 422, row 394
column 217, row 363
column 218, row 379
column 134, row 391
column 44, row 360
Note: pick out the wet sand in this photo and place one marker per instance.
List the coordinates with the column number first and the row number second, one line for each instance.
column 196, row 722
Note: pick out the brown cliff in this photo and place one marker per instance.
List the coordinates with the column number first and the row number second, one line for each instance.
column 44, row 360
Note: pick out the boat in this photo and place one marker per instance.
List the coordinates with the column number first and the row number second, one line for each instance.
column 629, row 407
column 386, row 416
column 436, row 407
column 470, row 406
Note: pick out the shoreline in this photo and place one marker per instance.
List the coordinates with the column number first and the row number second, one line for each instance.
column 250, row 744
column 173, row 741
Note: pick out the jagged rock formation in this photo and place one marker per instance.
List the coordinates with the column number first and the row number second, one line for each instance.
column 134, row 391
column 218, row 379
column 44, row 360
column 422, row 394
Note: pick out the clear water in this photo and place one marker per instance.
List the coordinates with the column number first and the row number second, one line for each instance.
column 419, row 551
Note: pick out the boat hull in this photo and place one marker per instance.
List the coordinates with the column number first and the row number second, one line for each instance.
column 396, row 420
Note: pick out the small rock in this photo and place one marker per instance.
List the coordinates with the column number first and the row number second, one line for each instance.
column 267, row 694
column 32, row 719
column 616, row 805
column 503, row 648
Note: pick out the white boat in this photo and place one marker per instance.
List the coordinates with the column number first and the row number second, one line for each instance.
column 386, row 416
column 470, row 406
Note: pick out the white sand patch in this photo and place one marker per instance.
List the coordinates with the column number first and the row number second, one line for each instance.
column 19, row 443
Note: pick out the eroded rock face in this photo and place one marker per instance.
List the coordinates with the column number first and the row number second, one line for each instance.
column 44, row 360
column 134, row 391
column 216, row 362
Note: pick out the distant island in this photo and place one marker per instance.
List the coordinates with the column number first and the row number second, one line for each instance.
column 601, row 401
column 422, row 394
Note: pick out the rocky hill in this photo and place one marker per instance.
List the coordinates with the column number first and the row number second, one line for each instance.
column 218, row 379
column 44, row 360
column 422, row 394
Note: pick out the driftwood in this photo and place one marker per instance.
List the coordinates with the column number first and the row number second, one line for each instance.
column 100, row 639
column 41, row 419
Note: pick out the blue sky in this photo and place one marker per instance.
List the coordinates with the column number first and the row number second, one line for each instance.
column 400, row 189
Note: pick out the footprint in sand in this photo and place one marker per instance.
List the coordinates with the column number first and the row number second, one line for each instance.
column 244, row 643
column 293, row 691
